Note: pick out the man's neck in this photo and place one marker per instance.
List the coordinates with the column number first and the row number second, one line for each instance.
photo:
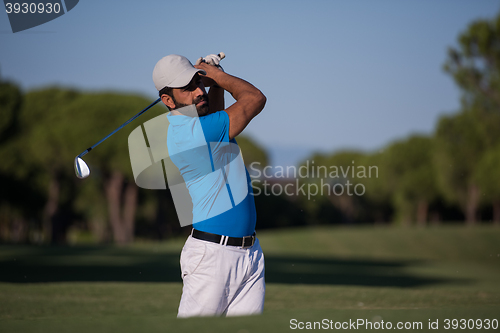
column 189, row 111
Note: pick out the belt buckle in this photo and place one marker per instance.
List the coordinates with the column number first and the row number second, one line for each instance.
column 243, row 242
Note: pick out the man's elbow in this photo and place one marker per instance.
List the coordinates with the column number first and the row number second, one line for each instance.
column 254, row 103
column 261, row 100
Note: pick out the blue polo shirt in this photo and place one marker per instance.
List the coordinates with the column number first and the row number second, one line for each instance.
column 212, row 168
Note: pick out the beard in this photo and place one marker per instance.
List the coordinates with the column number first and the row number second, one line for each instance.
column 202, row 109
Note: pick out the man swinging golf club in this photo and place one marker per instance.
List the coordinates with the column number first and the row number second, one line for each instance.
column 222, row 263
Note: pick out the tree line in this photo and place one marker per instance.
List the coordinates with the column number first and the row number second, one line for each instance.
column 453, row 174
column 41, row 199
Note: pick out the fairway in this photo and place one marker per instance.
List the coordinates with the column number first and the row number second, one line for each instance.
column 413, row 275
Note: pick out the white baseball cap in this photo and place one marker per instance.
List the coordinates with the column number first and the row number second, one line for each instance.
column 174, row 71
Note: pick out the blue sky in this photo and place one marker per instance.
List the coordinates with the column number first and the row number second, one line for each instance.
column 337, row 74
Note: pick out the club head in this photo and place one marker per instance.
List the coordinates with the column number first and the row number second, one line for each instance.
column 81, row 168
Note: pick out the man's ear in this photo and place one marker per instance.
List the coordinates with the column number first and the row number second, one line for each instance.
column 168, row 101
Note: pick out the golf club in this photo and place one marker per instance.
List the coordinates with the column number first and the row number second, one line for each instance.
column 81, row 168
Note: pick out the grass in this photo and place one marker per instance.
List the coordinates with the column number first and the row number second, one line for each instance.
column 339, row 274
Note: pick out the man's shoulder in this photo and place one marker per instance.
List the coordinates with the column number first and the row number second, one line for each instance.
column 219, row 116
column 179, row 119
column 213, row 127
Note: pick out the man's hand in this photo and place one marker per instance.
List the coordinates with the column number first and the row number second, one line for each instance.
column 212, row 59
column 216, row 93
column 212, row 72
column 249, row 100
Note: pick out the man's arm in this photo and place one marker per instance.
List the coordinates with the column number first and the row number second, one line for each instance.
column 249, row 100
column 216, row 98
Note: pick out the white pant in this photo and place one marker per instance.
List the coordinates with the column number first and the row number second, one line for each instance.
column 221, row 280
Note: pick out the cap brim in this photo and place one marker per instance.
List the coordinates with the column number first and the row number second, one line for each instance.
column 185, row 77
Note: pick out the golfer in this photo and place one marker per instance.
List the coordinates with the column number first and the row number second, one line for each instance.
column 222, row 264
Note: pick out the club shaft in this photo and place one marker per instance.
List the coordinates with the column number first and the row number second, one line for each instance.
column 119, row 128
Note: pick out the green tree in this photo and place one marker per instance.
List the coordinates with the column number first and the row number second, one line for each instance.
column 460, row 143
column 252, row 151
column 487, row 176
column 463, row 139
column 475, row 64
column 335, row 178
column 55, row 125
column 10, row 104
column 19, row 201
column 410, row 173
column 379, row 188
column 43, row 145
column 346, row 165
column 31, row 161
column 98, row 114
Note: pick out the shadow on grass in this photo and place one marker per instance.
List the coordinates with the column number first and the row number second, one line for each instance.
column 30, row 264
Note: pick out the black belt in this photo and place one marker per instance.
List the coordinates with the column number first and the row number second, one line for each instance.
column 243, row 242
